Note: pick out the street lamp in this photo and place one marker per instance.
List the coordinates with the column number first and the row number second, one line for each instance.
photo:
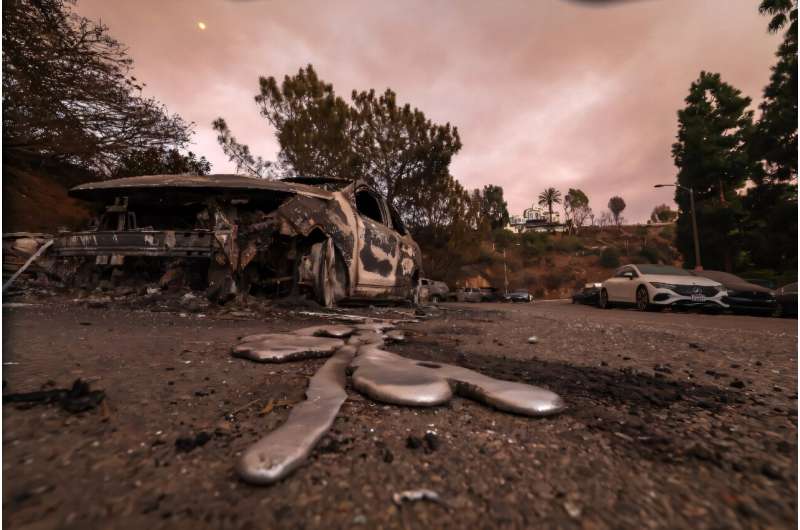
column 697, row 264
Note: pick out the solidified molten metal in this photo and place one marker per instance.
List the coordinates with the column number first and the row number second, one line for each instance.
column 281, row 347
column 379, row 374
column 281, row 451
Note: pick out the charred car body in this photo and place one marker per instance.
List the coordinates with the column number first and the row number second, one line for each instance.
column 336, row 239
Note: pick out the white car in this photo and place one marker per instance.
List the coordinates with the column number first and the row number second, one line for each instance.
column 653, row 287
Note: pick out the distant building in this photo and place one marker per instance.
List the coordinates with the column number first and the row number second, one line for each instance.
column 536, row 219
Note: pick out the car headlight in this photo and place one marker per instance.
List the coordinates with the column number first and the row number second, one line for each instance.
column 659, row 285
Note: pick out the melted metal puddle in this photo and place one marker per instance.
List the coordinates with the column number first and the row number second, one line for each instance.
column 379, row 374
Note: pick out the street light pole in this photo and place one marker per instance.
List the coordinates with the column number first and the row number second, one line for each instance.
column 698, row 266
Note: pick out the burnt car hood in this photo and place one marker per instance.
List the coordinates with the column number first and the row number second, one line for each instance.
column 194, row 183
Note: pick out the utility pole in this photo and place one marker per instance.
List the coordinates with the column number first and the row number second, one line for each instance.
column 698, row 266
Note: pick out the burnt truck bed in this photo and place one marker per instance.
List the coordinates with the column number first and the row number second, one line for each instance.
column 167, row 243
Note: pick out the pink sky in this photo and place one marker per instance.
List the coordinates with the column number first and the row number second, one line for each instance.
column 544, row 92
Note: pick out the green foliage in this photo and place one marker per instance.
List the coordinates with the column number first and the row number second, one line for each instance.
column 503, row 239
column 548, row 198
column 616, row 205
column 609, row 258
column 68, row 92
column 493, row 208
column 712, row 159
column 576, row 208
column 533, row 244
column 663, row 214
column 565, row 244
column 162, row 162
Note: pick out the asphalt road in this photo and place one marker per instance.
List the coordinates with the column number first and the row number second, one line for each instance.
column 673, row 421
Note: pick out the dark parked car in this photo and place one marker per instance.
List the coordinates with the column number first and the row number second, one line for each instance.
column 743, row 296
column 588, row 294
column 769, row 284
column 787, row 300
column 491, row 294
column 519, row 296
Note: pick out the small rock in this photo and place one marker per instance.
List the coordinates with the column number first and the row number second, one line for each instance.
column 412, row 442
column 737, row 383
column 533, row 339
column 572, row 509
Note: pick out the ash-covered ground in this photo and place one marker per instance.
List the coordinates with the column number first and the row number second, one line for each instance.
column 673, row 421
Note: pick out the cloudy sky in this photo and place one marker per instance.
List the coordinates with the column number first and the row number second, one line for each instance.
column 561, row 93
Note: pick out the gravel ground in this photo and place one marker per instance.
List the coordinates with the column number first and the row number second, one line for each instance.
column 674, row 421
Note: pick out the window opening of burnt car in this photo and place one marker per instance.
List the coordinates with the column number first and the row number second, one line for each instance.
column 397, row 223
column 369, row 206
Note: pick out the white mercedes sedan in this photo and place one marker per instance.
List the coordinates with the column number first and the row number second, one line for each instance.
column 653, row 287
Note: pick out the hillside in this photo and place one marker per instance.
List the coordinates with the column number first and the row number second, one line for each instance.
column 34, row 201
column 552, row 265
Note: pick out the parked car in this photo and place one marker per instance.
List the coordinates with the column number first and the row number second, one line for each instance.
column 469, row 294
column 588, row 294
column 769, row 284
column 743, row 296
column 787, row 300
column 334, row 238
column 653, row 287
column 491, row 294
column 433, row 291
column 519, row 296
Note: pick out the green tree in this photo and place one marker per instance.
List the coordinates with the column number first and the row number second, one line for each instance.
column 393, row 147
column 68, row 92
column 616, row 205
column 712, row 159
column 775, row 138
column 663, row 214
column 576, row 203
column 493, row 208
column 161, row 162
column 770, row 224
column 549, row 197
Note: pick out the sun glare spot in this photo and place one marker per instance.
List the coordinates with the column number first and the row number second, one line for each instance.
column 201, row 25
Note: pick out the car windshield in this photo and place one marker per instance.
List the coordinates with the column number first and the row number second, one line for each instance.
column 663, row 269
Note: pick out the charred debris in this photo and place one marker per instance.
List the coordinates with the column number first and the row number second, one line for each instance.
column 330, row 240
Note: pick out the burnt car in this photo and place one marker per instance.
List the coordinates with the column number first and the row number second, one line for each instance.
column 743, row 297
column 332, row 238
column 588, row 294
column 787, row 300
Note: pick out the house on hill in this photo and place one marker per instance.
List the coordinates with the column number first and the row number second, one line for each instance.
column 536, row 219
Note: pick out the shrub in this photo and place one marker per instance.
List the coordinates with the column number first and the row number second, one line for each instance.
column 609, row 258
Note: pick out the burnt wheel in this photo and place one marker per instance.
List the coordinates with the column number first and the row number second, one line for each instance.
column 642, row 299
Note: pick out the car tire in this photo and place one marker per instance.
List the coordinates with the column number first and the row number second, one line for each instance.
column 603, row 302
column 642, row 298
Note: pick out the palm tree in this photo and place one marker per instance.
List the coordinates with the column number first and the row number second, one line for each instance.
column 549, row 197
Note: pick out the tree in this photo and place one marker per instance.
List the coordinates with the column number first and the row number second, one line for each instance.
column 240, row 155
column 616, row 205
column 549, row 197
column 161, row 162
column 775, row 138
column 769, row 227
column 712, row 158
column 663, row 214
column 493, row 208
column 393, row 147
column 577, row 203
column 68, row 94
